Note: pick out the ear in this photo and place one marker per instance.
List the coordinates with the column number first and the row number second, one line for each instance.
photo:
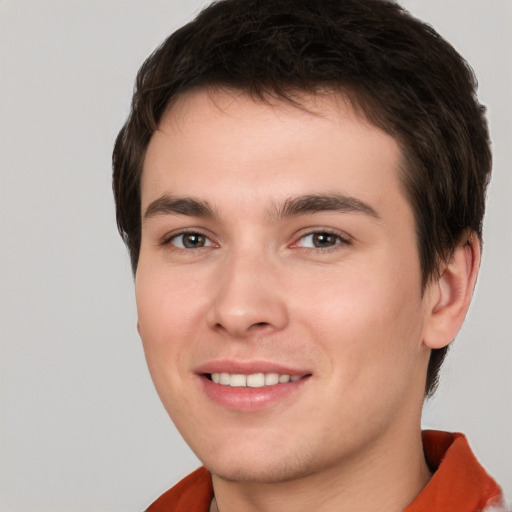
column 448, row 296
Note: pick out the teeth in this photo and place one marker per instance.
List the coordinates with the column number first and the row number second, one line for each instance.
column 255, row 380
column 271, row 379
column 238, row 381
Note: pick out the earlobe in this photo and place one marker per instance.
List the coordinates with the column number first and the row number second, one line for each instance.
column 449, row 295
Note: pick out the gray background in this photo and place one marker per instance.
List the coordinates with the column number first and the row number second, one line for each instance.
column 81, row 426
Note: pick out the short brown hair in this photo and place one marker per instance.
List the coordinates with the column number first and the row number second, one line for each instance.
column 395, row 69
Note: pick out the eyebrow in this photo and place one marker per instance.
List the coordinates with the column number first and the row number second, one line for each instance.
column 292, row 207
column 172, row 205
column 303, row 205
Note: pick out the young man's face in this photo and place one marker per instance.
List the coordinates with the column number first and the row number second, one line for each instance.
column 278, row 244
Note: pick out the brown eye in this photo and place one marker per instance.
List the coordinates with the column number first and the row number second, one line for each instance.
column 324, row 240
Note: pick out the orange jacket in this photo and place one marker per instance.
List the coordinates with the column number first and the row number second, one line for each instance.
column 459, row 484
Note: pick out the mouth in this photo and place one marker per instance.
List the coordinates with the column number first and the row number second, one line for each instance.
column 251, row 386
column 253, row 380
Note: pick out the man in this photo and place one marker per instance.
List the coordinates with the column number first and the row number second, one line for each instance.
column 301, row 187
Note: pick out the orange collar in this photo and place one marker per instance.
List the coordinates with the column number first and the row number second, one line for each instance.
column 460, row 483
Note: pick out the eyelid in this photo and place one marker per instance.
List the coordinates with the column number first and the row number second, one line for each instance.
column 166, row 240
column 343, row 238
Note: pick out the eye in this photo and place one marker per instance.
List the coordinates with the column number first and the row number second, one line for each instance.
column 320, row 240
column 190, row 241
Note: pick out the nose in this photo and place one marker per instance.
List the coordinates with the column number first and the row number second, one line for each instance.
column 247, row 299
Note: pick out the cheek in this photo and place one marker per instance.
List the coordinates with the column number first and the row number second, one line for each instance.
column 162, row 321
column 165, row 303
column 163, row 326
column 368, row 322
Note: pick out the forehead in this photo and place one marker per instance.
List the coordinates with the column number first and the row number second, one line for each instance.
column 211, row 144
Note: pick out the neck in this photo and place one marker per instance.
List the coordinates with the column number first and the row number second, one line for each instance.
column 387, row 477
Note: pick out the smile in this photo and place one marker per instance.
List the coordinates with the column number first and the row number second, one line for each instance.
column 251, row 386
column 254, row 380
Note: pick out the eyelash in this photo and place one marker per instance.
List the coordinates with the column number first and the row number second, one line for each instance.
column 167, row 241
column 340, row 240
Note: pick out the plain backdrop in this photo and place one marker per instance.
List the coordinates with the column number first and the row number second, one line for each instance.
column 81, row 426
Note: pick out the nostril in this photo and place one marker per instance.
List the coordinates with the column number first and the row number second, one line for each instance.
column 259, row 326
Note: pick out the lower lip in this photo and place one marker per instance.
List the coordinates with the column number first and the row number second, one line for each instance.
column 250, row 399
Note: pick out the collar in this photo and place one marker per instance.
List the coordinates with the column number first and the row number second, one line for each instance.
column 459, row 483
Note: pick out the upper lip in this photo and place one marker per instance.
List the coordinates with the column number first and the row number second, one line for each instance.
column 248, row 368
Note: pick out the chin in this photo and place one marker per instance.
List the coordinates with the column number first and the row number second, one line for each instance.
column 260, row 466
column 277, row 472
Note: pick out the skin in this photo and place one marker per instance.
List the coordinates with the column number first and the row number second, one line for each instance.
column 259, row 287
